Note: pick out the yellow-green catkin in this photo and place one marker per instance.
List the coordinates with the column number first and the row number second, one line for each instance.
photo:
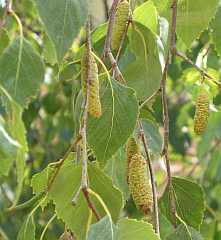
column 132, row 148
column 139, row 185
column 120, row 23
column 202, row 112
column 94, row 103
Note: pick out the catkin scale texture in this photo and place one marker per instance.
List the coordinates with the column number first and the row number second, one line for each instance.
column 202, row 112
column 122, row 15
column 139, row 185
column 94, row 104
column 132, row 148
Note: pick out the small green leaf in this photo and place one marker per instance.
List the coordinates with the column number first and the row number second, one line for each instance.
column 129, row 229
column 8, row 149
column 154, row 139
column 141, row 64
column 4, row 40
column 184, row 232
column 27, row 231
column 119, row 114
column 21, row 76
column 216, row 31
column 116, row 169
column 76, row 217
column 189, row 201
column 62, row 20
column 49, row 51
column 126, row 229
column 104, row 229
column 147, row 14
column 192, row 17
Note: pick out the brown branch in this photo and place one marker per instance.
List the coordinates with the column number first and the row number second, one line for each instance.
column 90, row 204
column 172, row 44
column 107, row 45
column 124, row 37
column 117, row 73
column 185, row 58
column 84, row 184
column 83, row 131
column 153, row 182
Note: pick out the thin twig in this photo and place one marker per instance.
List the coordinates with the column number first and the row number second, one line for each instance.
column 83, row 131
column 124, row 37
column 178, row 53
column 107, row 45
column 150, row 98
column 152, row 178
column 184, row 57
column 111, row 20
column 90, row 204
column 107, row 53
column 172, row 44
column 61, row 162
column 76, row 196
column 84, row 184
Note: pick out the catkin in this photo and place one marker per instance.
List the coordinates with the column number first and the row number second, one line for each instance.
column 94, row 104
column 202, row 112
column 132, row 148
column 139, row 185
column 122, row 15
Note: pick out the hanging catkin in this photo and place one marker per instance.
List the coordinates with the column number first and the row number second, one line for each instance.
column 202, row 111
column 139, row 185
column 132, row 148
column 94, row 104
column 120, row 23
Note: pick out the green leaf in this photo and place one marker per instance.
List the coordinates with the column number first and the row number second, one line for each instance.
column 126, row 229
column 15, row 126
column 213, row 130
column 108, row 133
column 212, row 172
column 76, row 217
column 21, row 77
column 147, row 14
column 141, row 64
column 116, row 169
column 192, row 16
column 184, row 232
column 49, row 51
column 4, row 40
column 165, row 226
column 207, row 230
column 154, row 139
column 62, row 20
column 104, row 229
column 216, row 32
column 129, row 229
column 8, row 149
column 189, row 201
column 27, row 230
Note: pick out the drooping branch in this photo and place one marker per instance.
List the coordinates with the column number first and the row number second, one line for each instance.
column 107, row 45
column 170, row 53
column 152, row 178
column 83, row 130
column 117, row 73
